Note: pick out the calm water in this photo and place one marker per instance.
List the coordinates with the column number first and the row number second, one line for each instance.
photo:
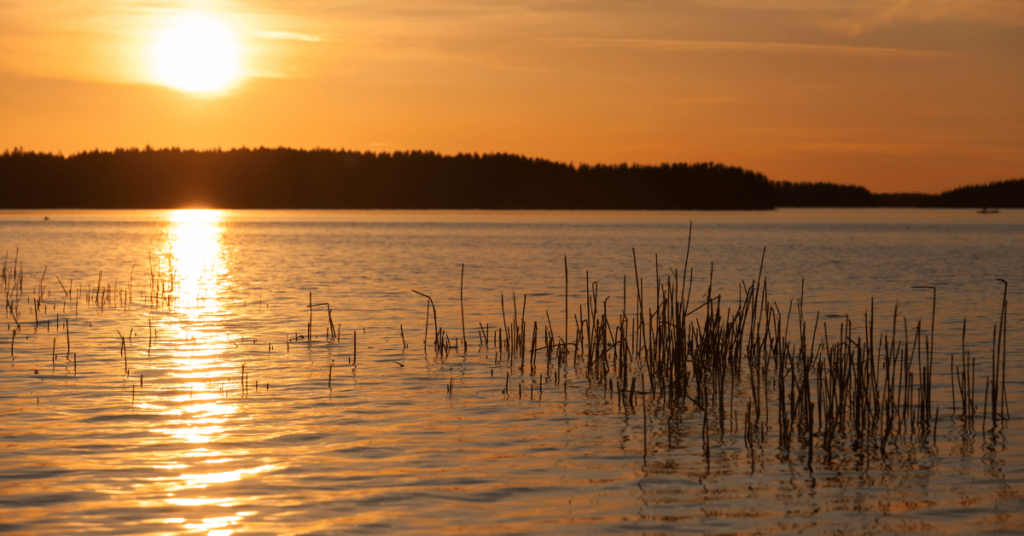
column 402, row 440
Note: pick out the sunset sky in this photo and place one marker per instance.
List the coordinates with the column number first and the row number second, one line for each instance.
column 893, row 95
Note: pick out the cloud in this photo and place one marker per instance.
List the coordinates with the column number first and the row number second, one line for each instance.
column 863, row 16
column 899, row 149
column 752, row 46
column 288, row 36
column 878, row 13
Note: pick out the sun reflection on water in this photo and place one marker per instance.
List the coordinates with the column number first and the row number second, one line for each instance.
column 196, row 258
column 200, row 410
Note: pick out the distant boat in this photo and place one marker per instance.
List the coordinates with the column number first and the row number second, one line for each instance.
column 984, row 207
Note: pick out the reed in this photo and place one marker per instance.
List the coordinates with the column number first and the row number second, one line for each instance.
column 862, row 391
column 124, row 353
column 776, row 374
column 462, row 308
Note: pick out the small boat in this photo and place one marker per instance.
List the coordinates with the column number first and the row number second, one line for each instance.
column 985, row 209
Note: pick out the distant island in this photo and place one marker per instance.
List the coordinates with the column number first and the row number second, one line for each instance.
column 285, row 178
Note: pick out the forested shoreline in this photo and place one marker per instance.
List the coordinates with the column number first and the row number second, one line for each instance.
column 336, row 179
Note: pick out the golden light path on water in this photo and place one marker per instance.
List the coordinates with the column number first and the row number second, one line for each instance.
column 193, row 262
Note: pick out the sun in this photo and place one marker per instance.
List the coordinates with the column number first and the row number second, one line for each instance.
column 196, row 53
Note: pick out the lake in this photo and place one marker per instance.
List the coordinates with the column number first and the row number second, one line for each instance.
column 283, row 372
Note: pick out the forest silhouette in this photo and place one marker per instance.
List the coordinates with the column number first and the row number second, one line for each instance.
column 286, row 178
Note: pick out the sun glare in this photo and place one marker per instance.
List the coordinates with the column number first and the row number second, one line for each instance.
column 196, row 53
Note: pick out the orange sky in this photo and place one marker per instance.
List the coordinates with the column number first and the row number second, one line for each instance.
column 893, row 95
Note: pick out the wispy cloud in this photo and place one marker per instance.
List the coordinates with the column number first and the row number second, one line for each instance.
column 870, row 15
column 288, row 36
column 863, row 16
column 900, row 149
column 753, row 46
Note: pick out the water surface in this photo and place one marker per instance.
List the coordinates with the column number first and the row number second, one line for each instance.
column 350, row 431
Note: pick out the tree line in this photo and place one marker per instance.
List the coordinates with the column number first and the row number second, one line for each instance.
column 337, row 179
column 997, row 194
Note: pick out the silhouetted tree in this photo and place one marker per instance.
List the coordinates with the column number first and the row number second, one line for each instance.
column 321, row 178
column 290, row 178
